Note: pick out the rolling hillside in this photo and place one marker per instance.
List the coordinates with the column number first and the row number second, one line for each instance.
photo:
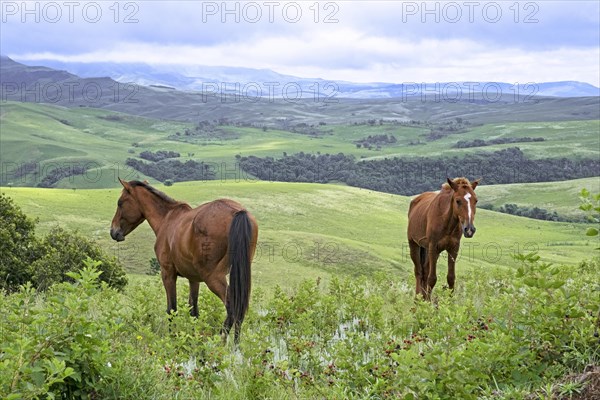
column 311, row 230
column 52, row 137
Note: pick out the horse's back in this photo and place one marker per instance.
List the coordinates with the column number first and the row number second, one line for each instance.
column 419, row 204
column 213, row 218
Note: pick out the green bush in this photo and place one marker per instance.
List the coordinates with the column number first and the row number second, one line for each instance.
column 60, row 347
column 26, row 258
column 18, row 245
column 590, row 203
column 154, row 268
column 62, row 252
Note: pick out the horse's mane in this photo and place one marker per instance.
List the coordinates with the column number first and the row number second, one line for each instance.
column 154, row 191
column 459, row 181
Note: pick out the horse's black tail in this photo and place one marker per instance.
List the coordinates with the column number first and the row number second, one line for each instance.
column 238, row 295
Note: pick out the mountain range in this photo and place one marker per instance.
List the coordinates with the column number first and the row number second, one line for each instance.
column 268, row 83
column 159, row 96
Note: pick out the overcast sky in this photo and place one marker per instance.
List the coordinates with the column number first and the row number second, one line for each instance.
column 361, row 41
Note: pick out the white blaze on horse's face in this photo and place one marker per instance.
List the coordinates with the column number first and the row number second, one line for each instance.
column 468, row 199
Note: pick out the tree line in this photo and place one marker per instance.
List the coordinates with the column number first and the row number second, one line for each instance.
column 174, row 170
column 159, row 155
column 463, row 144
column 531, row 212
column 410, row 176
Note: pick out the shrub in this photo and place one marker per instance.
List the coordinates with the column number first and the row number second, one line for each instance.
column 63, row 356
column 17, row 244
column 590, row 203
column 154, row 268
column 43, row 262
column 63, row 252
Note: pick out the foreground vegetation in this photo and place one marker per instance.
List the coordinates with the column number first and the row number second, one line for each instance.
column 503, row 334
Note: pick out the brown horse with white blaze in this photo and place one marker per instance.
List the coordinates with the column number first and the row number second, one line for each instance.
column 202, row 244
column 436, row 222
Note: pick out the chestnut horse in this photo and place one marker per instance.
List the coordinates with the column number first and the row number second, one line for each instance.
column 201, row 244
column 436, row 222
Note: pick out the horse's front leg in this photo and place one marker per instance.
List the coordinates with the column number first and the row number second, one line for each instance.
column 169, row 278
column 193, row 299
column 452, row 256
column 432, row 276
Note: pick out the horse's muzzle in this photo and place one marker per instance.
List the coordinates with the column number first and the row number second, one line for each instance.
column 469, row 231
column 117, row 234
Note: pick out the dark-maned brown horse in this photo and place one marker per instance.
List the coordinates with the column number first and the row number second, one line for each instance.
column 201, row 244
column 436, row 222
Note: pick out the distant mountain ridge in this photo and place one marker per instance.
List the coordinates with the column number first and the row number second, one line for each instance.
column 271, row 83
column 318, row 102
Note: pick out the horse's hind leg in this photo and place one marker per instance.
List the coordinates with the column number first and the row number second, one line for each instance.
column 420, row 276
column 170, row 283
column 218, row 286
column 193, row 299
column 433, row 255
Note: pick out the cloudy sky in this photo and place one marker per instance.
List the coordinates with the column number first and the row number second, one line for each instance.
column 362, row 41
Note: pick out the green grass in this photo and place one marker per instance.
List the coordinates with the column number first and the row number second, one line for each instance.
column 312, row 230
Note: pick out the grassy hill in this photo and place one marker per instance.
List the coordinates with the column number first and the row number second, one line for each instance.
column 312, row 230
column 554, row 196
column 52, row 137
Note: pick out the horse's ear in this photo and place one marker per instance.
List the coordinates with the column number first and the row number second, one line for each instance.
column 453, row 185
column 475, row 183
column 125, row 184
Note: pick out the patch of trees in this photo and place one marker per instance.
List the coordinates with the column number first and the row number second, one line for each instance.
column 306, row 129
column 111, row 117
column 205, row 130
column 463, row 144
column 442, row 129
column 43, row 261
column 46, row 175
column 65, row 122
column 174, row 170
column 530, row 212
column 377, row 141
column 410, row 176
column 159, row 155
column 52, row 176
column 301, row 167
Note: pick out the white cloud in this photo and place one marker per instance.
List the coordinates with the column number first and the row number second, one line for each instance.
column 352, row 55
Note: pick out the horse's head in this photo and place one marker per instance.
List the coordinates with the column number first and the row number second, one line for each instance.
column 464, row 203
column 128, row 215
